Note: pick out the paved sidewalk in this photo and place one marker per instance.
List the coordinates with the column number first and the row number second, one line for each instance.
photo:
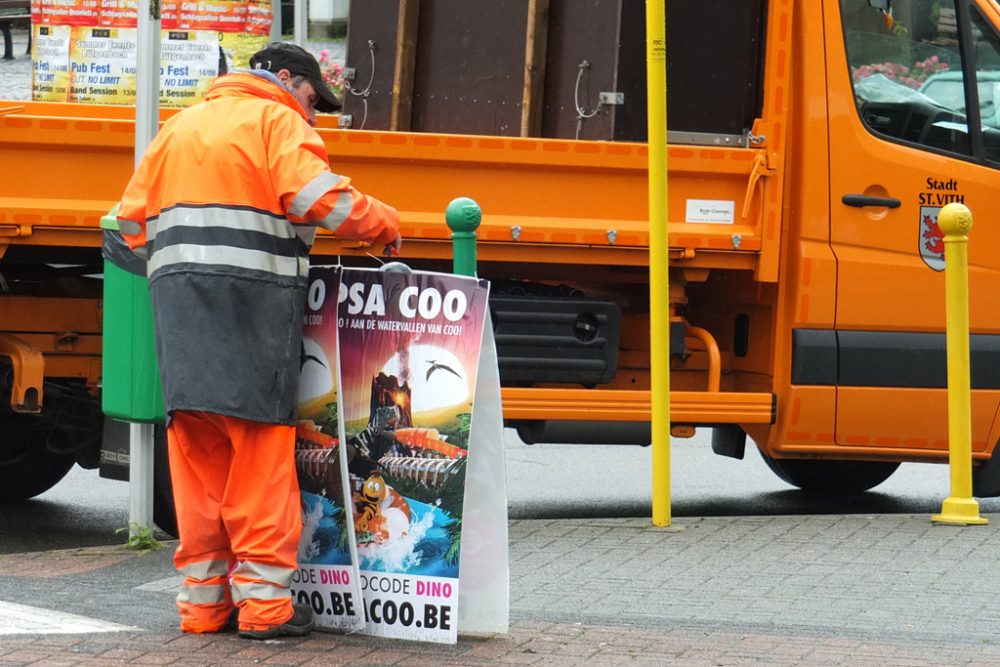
column 15, row 75
column 805, row 590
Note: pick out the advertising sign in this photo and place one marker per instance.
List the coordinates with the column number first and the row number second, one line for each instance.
column 391, row 368
column 102, row 65
column 189, row 63
column 50, row 62
column 327, row 577
column 409, row 345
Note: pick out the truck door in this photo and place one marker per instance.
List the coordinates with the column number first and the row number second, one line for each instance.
column 914, row 107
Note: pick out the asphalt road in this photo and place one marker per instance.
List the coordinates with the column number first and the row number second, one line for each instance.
column 565, row 481
column 544, row 481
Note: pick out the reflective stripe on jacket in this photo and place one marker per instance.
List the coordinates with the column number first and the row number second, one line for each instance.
column 224, row 205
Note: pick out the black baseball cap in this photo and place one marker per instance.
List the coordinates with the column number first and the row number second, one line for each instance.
column 298, row 61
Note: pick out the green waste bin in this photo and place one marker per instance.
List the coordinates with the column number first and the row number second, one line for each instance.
column 131, row 388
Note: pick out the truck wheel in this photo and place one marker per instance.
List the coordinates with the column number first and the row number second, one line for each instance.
column 27, row 466
column 831, row 476
column 986, row 476
column 164, row 513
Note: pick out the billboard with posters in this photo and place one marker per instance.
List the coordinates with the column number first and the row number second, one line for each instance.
column 85, row 50
column 327, row 577
column 409, row 349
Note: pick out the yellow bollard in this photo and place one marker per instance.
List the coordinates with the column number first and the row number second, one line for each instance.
column 659, row 288
column 955, row 221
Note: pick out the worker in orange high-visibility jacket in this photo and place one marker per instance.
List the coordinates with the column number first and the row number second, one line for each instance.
column 224, row 205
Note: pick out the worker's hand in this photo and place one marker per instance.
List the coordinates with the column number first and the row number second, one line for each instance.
column 392, row 249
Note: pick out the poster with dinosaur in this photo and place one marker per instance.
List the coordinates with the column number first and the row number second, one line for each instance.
column 409, row 345
column 327, row 577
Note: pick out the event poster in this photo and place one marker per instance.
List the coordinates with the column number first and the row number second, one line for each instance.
column 259, row 18
column 65, row 12
column 220, row 15
column 50, row 63
column 410, row 345
column 120, row 14
column 189, row 63
column 239, row 46
column 86, row 50
column 102, row 65
column 327, row 577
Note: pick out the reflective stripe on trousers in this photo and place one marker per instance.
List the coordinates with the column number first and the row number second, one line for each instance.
column 237, row 501
column 204, row 600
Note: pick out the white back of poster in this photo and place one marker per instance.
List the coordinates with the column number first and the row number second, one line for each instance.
column 484, row 570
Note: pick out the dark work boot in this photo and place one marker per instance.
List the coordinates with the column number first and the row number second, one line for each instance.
column 300, row 624
column 233, row 622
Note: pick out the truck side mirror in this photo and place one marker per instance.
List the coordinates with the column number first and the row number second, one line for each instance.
column 880, row 4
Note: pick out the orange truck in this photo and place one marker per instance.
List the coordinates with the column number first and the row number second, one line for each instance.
column 811, row 146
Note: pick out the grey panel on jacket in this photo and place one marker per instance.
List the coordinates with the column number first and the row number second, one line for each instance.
column 229, row 344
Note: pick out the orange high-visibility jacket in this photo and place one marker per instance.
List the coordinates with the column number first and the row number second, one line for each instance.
column 225, row 205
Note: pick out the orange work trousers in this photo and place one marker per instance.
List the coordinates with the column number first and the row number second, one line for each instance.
column 237, row 501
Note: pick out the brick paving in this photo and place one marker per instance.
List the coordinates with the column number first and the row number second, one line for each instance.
column 838, row 591
column 527, row 643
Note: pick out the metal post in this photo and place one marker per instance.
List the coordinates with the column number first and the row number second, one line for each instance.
column 147, row 123
column 140, row 471
column 659, row 286
column 955, row 221
column 147, row 94
column 300, row 22
column 463, row 216
column 276, row 20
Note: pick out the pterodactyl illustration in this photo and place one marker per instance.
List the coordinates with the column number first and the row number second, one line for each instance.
column 435, row 365
column 303, row 358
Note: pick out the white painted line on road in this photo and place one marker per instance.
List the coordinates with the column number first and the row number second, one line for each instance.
column 19, row 619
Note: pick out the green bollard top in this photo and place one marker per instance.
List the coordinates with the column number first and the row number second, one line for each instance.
column 463, row 215
column 110, row 221
column 955, row 220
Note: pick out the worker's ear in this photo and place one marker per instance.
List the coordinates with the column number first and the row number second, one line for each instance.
column 284, row 76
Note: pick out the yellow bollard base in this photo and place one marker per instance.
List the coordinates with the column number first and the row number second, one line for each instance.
column 960, row 512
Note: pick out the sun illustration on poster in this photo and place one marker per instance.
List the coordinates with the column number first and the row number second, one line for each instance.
column 436, row 376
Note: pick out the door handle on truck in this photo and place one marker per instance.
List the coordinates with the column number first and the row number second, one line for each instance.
column 865, row 200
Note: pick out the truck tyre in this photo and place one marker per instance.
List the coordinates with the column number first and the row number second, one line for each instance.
column 986, row 476
column 164, row 513
column 834, row 477
column 27, row 466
